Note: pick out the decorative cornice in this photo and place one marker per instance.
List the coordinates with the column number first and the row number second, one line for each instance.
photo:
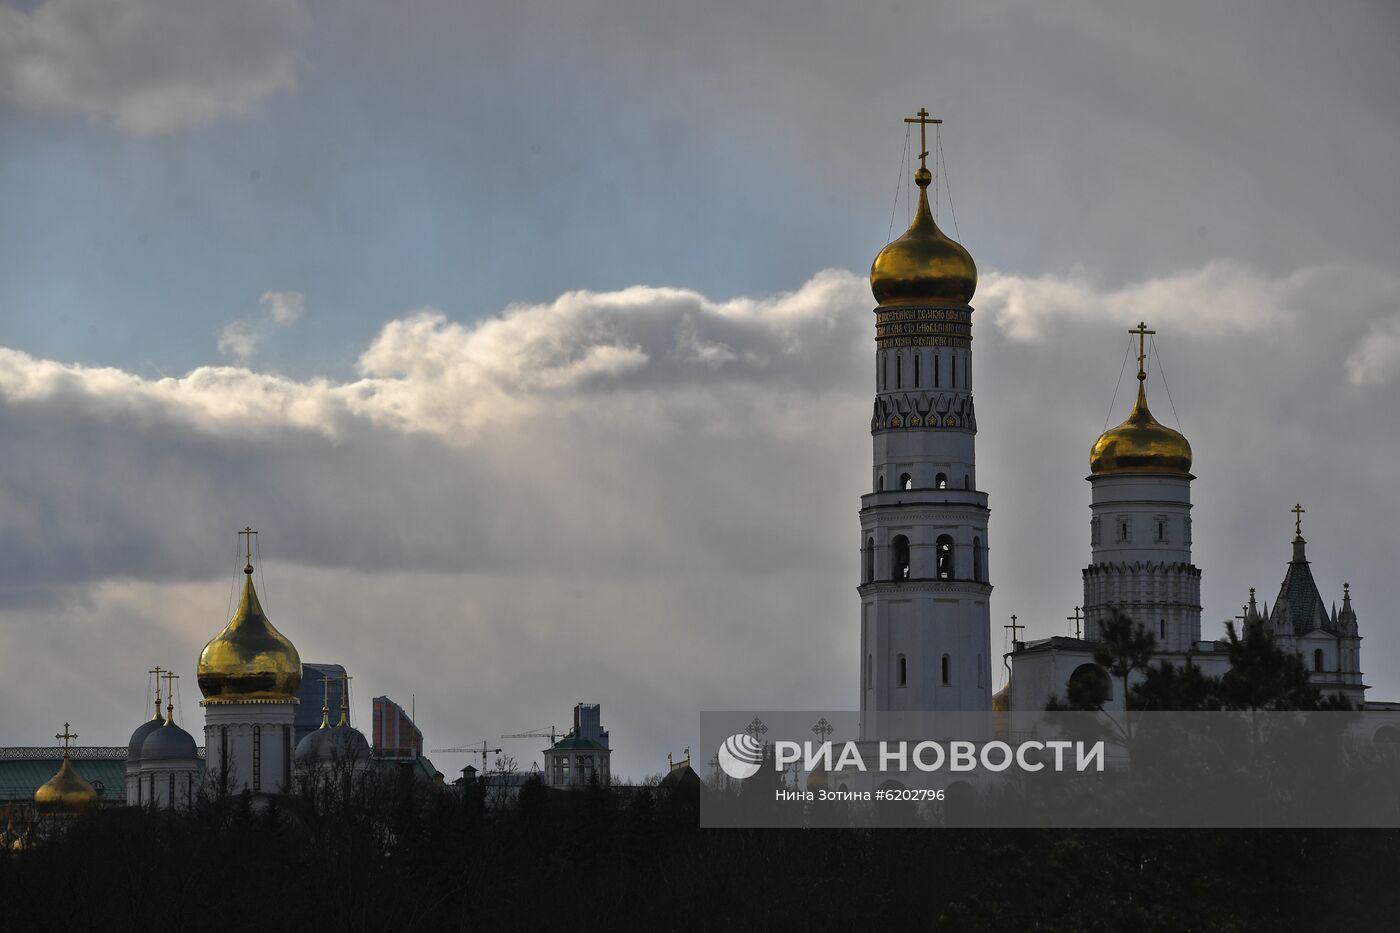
column 923, row 585
column 259, row 701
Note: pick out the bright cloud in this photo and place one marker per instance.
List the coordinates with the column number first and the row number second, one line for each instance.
column 241, row 338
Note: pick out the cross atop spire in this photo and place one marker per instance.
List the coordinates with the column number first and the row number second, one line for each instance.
column 170, row 695
column 1014, row 627
column 1298, row 511
column 248, row 533
column 157, row 671
column 1077, row 619
column 923, row 119
column 66, row 736
column 1142, row 334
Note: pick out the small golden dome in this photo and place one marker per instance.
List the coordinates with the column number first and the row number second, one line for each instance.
column 1001, row 700
column 64, row 794
column 817, row 780
column 1141, row 444
column 249, row 659
column 924, row 266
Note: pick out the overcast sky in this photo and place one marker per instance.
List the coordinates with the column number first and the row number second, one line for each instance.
column 535, row 338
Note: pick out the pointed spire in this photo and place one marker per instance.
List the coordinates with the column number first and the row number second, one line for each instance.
column 157, row 670
column 325, row 702
column 344, row 706
column 170, row 697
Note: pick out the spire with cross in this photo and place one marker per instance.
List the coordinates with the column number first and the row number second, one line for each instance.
column 66, row 736
column 923, row 119
column 1298, row 512
column 1014, row 627
column 1077, row 619
column 1142, row 334
column 247, row 533
column 157, row 672
column 344, row 704
column 170, row 695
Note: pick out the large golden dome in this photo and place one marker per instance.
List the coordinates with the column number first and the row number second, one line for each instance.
column 249, row 659
column 64, row 794
column 1141, row 444
column 924, row 266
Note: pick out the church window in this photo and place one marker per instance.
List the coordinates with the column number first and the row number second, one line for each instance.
column 916, row 369
column 899, row 372
column 906, row 481
column 977, row 559
column 1317, row 660
column 1124, row 530
column 257, row 758
column 954, row 380
column 947, row 670
column 967, row 481
column 902, row 671
column 884, row 371
column 869, row 560
column 940, row 481
column 879, row 484
column 1162, row 628
column 936, row 356
column 1161, row 523
column 901, row 557
column 944, row 549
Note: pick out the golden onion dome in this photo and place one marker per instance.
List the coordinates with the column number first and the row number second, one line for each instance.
column 249, row 659
column 1001, row 700
column 1141, row 444
column 64, row 794
column 817, row 780
column 924, row 266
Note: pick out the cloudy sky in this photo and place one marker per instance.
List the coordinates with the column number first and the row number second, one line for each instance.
column 535, row 337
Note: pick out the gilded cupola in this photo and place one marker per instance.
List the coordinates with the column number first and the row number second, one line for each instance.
column 66, row 793
column 1142, row 444
column 924, row 267
column 249, row 659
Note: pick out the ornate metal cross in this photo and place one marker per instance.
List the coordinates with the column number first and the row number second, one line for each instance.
column 922, row 118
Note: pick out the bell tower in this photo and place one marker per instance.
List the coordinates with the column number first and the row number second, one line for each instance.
column 924, row 592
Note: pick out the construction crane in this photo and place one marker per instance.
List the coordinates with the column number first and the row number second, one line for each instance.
column 482, row 748
column 549, row 732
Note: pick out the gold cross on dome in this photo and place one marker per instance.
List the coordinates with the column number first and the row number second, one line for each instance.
column 1298, row 511
column 922, row 118
column 1142, row 333
column 248, row 533
column 65, row 735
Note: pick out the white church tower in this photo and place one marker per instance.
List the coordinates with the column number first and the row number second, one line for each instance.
column 249, row 674
column 925, row 622
column 1140, row 527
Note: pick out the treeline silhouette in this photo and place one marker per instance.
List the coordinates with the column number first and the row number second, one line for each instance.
column 399, row 854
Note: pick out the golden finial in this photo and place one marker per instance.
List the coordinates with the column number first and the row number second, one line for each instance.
column 325, row 702
column 248, row 533
column 157, row 671
column 922, row 177
column 170, row 697
column 344, row 708
column 65, row 735
column 1298, row 511
column 1142, row 332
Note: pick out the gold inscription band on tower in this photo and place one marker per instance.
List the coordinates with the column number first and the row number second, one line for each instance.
column 923, row 327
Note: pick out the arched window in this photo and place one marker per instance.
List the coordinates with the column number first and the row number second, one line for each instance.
column 967, row 481
column 936, row 356
column 947, row 670
column 944, row 550
column 900, row 547
column 977, row 559
column 869, row 560
column 879, row 484
column 901, row 671
column 899, row 372
column 906, row 481
column 954, row 381
column 940, row 481
column 1162, row 628
column 1093, row 679
column 1317, row 660
column 916, row 369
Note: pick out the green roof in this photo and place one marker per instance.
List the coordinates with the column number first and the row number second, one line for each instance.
column 21, row 777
